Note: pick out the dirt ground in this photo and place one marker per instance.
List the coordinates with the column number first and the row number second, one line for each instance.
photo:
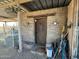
column 26, row 54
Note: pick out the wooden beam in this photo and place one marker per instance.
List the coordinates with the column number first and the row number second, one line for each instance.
column 14, row 3
column 46, row 12
column 8, row 20
column 24, row 1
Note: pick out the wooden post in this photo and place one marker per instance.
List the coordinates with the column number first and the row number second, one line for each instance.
column 4, row 26
column 75, row 32
column 19, row 31
column 12, row 36
column 77, row 27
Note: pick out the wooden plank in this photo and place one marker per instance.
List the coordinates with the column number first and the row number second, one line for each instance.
column 24, row 1
column 9, row 20
column 46, row 12
column 14, row 3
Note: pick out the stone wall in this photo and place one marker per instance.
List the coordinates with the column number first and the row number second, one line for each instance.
column 54, row 30
column 27, row 29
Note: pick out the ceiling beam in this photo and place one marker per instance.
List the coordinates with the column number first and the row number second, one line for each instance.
column 14, row 3
column 46, row 12
column 8, row 20
column 24, row 1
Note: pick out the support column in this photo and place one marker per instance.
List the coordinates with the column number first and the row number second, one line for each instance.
column 75, row 33
column 19, row 31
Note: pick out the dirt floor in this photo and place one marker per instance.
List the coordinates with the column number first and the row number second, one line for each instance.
column 26, row 54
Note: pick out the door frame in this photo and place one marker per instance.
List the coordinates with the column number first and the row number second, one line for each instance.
column 35, row 20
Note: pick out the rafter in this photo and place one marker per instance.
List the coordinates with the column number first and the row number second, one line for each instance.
column 14, row 3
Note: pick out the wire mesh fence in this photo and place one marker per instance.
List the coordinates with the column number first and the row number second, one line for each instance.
column 9, row 38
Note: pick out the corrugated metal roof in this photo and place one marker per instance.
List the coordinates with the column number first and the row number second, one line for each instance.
column 45, row 4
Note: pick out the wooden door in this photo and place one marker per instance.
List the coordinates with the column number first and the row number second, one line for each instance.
column 41, row 30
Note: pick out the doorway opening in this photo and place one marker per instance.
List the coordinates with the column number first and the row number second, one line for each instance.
column 40, row 30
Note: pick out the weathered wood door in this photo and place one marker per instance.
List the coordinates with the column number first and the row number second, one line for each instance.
column 41, row 30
